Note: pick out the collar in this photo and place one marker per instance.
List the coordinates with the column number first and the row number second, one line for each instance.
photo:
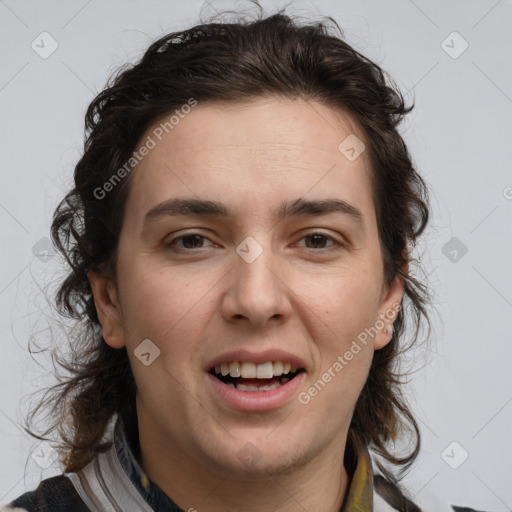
column 114, row 481
column 359, row 497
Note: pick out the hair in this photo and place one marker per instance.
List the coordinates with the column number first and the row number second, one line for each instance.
column 272, row 56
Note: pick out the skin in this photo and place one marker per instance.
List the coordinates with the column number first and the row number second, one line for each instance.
column 309, row 299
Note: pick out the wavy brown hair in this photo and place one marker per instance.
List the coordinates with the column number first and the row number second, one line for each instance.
column 231, row 61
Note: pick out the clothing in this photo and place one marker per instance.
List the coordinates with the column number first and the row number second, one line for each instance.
column 114, row 481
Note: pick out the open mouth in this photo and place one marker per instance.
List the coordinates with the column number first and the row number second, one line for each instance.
column 231, row 375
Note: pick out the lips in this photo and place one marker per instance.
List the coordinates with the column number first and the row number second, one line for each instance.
column 255, row 377
column 256, row 400
column 255, row 381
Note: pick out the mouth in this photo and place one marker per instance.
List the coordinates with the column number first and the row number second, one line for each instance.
column 253, row 378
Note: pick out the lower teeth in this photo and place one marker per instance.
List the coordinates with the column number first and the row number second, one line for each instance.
column 270, row 387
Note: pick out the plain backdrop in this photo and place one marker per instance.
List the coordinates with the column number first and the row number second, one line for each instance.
column 452, row 57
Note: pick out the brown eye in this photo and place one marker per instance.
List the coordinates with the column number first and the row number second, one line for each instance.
column 319, row 241
column 188, row 242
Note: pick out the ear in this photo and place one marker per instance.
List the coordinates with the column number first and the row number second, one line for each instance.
column 108, row 309
column 388, row 311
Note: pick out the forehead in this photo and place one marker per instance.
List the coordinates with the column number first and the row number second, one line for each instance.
column 254, row 154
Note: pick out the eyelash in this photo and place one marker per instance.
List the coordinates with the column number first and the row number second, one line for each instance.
column 175, row 241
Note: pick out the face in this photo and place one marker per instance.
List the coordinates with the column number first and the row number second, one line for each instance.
column 263, row 273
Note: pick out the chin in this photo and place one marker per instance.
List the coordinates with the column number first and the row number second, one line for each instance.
column 250, row 459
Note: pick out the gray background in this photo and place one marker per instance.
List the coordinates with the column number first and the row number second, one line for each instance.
column 459, row 135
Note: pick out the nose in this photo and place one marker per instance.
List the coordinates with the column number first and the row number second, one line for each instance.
column 257, row 293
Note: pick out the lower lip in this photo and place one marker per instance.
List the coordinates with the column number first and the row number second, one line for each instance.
column 256, row 400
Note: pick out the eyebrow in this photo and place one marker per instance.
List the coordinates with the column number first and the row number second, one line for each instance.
column 296, row 208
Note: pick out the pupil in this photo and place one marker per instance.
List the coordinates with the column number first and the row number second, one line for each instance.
column 320, row 238
column 187, row 239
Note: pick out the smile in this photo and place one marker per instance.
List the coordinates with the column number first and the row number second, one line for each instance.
column 253, row 377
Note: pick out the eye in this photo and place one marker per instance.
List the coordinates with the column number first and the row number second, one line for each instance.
column 188, row 242
column 318, row 240
column 194, row 241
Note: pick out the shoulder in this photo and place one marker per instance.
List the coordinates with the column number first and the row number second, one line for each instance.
column 56, row 494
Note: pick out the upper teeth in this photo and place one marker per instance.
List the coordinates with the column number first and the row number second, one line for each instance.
column 255, row 371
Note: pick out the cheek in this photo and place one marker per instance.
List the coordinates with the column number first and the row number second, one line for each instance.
column 164, row 306
column 344, row 341
column 159, row 310
column 348, row 303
